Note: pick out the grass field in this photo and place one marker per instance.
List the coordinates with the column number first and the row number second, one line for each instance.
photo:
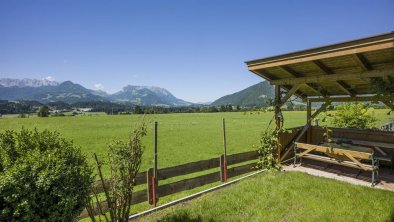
column 182, row 137
column 285, row 196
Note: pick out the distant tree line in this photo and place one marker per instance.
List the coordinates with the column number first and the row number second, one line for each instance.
column 111, row 108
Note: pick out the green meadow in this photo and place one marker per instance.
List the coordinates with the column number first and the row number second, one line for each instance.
column 284, row 196
column 182, row 138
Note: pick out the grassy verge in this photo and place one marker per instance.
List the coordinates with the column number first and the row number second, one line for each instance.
column 285, row 196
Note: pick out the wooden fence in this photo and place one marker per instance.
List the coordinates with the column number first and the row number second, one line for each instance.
column 186, row 184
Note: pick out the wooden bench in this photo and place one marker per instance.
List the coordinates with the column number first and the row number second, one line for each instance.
column 380, row 154
column 339, row 156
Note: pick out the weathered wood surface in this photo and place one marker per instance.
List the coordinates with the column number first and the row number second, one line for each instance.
column 335, row 151
column 241, row 157
column 355, row 134
column 188, row 168
column 138, row 197
column 335, row 161
column 140, row 179
column 202, row 165
column 187, row 184
column 239, row 170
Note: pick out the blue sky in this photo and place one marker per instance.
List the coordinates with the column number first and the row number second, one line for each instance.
column 194, row 48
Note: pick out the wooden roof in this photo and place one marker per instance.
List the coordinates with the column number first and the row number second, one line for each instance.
column 343, row 69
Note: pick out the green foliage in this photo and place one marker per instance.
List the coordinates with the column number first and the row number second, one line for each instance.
column 43, row 111
column 124, row 162
column 42, row 177
column 267, row 146
column 354, row 115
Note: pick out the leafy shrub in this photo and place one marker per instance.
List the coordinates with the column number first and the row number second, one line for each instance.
column 267, row 146
column 354, row 115
column 124, row 162
column 42, row 177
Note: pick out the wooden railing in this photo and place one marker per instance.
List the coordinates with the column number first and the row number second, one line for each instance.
column 185, row 184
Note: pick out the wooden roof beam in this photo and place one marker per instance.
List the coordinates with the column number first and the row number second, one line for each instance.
column 268, row 76
column 376, row 98
column 289, row 94
column 335, row 77
column 342, row 85
column 294, row 74
column 361, row 61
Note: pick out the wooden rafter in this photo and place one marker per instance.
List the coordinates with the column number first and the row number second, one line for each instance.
column 294, row 74
column 342, row 85
column 334, row 77
column 289, row 94
column 362, row 61
column 271, row 77
column 383, row 99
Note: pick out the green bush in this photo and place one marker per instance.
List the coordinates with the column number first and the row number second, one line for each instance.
column 267, row 146
column 354, row 115
column 42, row 177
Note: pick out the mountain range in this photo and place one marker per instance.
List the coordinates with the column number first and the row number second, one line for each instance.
column 46, row 91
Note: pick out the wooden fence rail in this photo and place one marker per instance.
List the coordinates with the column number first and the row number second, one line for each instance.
column 185, row 184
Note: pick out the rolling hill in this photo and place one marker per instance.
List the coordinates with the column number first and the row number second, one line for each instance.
column 255, row 95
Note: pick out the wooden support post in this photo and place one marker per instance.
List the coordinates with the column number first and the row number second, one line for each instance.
column 277, row 107
column 278, row 118
column 223, row 170
column 151, row 188
column 308, row 120
column 303, row 130
column 151, row 174
column 155, row 152
column 223, row 163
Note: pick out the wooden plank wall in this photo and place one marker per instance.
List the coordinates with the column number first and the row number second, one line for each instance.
column 285, row 138
column 355, row 134
column 189, row 183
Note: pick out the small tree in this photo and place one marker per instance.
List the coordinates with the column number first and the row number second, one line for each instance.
column 43, row 177
column 43, row 111
column 354, row 115
column 124, row 162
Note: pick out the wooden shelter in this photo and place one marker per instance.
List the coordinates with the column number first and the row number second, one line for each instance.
column 341, row 72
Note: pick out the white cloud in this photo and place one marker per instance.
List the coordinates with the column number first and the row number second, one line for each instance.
column 49, row 78
column 98, row 86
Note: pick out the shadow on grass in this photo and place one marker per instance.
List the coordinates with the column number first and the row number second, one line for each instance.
column 392, row 215
column 183, row 217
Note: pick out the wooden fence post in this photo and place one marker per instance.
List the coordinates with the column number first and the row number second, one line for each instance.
column 223, row 168
column 151, row 187
column 223, row 161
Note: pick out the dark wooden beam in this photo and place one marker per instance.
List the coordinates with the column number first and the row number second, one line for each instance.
column 361, row 61
column 350, row 99
column 289, row 94
column 294, row 74
column 268, row 76
column 335, row 77
column 324, row 69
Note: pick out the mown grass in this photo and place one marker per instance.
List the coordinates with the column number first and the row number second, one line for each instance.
column 182, row 138
column 285, row 196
